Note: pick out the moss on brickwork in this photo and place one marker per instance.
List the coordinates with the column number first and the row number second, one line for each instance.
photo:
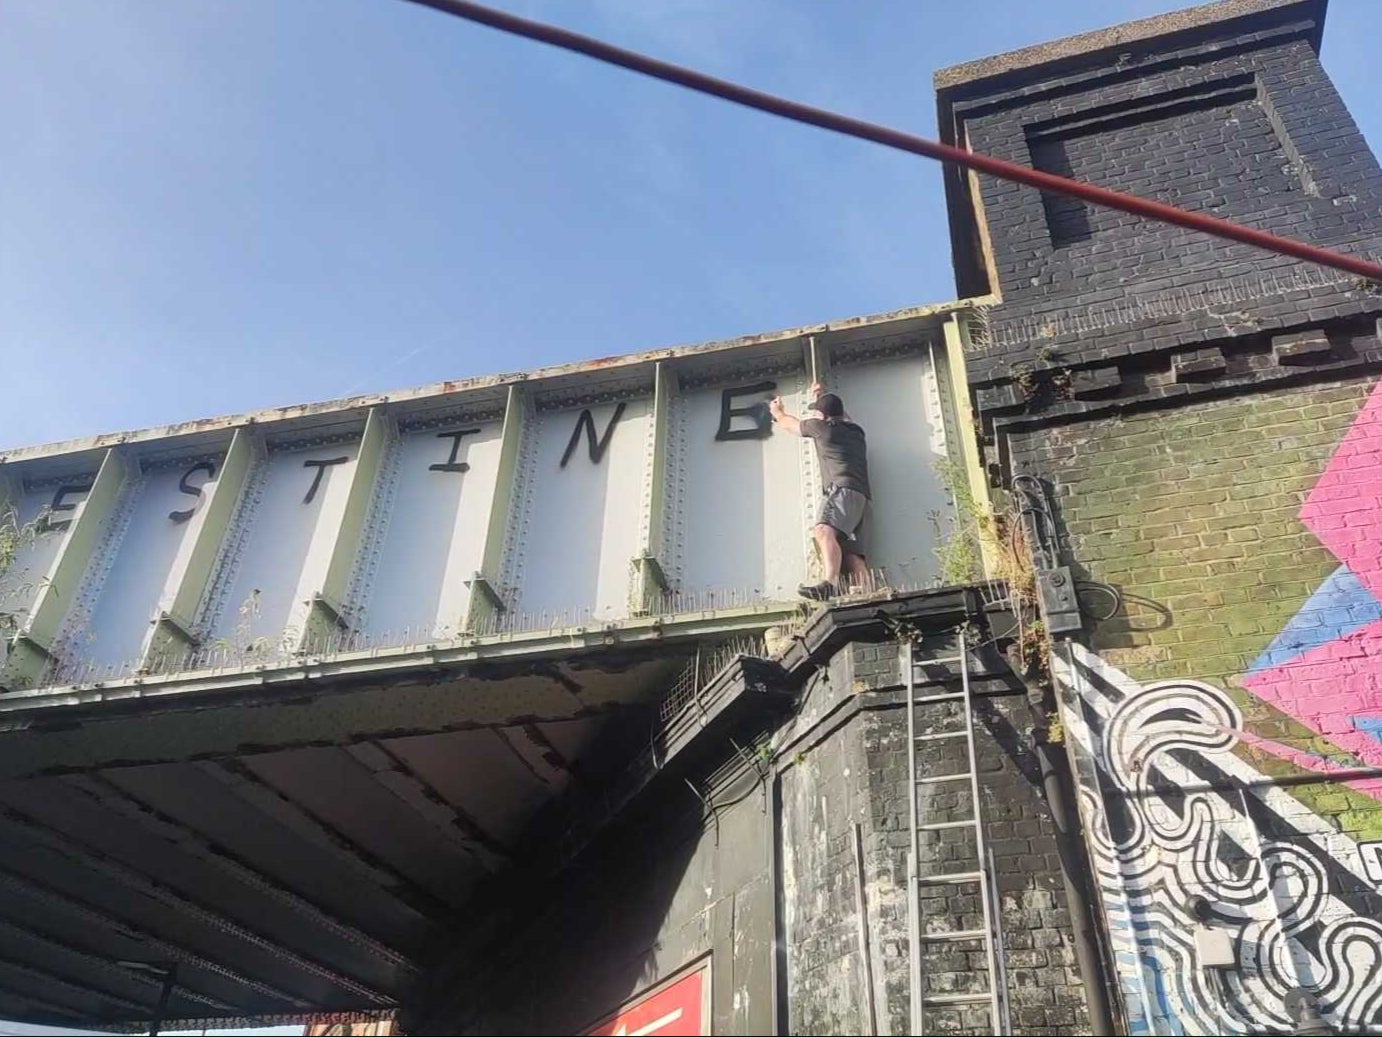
column 1193, row 514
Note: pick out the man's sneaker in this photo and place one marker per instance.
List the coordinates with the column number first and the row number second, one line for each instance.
column 817, row 591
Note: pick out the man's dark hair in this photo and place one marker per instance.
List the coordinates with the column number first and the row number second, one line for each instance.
column 829, row 405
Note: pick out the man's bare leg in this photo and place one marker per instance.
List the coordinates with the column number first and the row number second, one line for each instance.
column 828, row 541
column 828, row 544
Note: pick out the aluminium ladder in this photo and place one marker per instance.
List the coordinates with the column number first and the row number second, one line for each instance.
column 981, row 873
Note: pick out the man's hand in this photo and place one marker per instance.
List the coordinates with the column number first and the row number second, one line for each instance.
column 787, row 422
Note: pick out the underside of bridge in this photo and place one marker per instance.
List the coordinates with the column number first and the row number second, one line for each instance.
column 297, row 849
column 315, row 848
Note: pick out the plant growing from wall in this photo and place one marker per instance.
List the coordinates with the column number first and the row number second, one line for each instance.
column 1044, row 379
column 978, row 535
column 242, row 646
column 12, row 538
column 978, row 532
column 15, row 537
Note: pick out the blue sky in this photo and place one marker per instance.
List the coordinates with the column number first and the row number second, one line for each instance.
column 210, row 206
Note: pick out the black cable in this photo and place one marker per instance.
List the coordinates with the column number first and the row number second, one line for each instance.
column 1115, row 595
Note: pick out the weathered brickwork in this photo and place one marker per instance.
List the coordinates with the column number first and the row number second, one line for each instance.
column 1241, row 535
column 860, row 775
column 1194, row 515
column 1210, row 718
column 1238, row 122
column 1194, row 511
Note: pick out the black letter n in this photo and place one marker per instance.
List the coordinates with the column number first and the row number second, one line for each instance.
column 597, row 446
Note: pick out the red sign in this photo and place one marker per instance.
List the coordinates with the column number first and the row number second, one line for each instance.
column 676, row 1009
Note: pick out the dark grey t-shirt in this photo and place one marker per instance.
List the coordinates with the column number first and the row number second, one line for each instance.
column 842, row 452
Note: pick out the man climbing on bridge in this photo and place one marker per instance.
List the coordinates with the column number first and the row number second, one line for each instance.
column 844, row 520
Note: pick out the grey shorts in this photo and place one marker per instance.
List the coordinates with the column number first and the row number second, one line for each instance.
column 850, row 514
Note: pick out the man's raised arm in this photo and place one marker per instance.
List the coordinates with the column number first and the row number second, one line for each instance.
column 787, row 422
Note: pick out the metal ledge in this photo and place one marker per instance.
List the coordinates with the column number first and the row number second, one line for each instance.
column 135, row 693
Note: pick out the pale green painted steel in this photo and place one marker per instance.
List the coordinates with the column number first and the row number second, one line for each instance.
column 963, row 445
column 485, row 598
column 326, row 616
column 662, row 528
column 33, row 644
column 383, row 664
column 650, row 567
column 171, row 635
column 664, row 390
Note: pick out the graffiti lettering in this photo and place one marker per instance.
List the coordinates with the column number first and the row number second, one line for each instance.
column 60, row 504
column 451, row 464
column 209, row 468
column 756, row 412
column 597, row 446
column 321, row 467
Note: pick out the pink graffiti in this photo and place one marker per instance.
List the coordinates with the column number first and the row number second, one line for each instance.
column 1331, row 687
column 1345, row 508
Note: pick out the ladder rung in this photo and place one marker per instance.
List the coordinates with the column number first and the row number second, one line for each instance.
column 945, row 660
column 944, row 1000
column 936, row 779
column 940, row 826
column 949, row 696
column 953, row 877
column 941, row 734
column 955, row 934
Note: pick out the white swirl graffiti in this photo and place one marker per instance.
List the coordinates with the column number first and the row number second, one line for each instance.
column 1185, row 834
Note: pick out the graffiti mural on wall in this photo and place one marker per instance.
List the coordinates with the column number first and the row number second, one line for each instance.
column 1325, row 667
column 1184, row 833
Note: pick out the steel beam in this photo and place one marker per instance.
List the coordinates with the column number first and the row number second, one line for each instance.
column 394, row 774
column 31, row 888
column 171, row 636
column 264, row 796
column 109, row 967
column 485, row 586
column 179, row 838
column 35, row 830
column 327, row 616
column 35, row 642
column 650, row 580
column 48, row 1011
column 380, row 665
column 43, row 976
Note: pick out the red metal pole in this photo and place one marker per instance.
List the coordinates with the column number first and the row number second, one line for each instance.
column 827, row 120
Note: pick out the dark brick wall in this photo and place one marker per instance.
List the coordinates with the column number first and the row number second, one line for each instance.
column 1174, row 391
column 681, row 883
column 1210, row 149
column 1249, row 128
column 644, row 902
column 860, row 775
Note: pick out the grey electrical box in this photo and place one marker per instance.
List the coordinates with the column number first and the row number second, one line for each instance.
column 1060, row 609
column 1214, row 948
